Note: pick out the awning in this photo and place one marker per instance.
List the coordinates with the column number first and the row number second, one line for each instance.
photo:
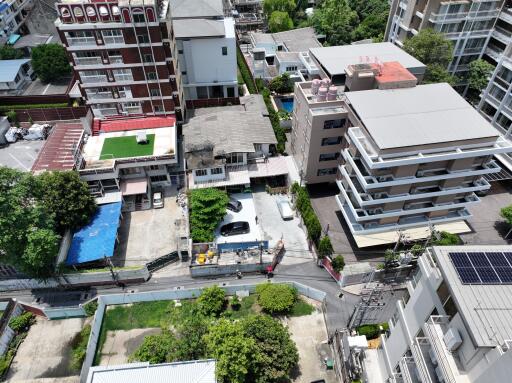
column 274, row 166
column 13, row 38
column 134, row 186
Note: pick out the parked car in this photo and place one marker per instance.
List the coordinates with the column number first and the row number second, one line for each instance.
column 234, row 205
column 285, row 209
column 235, row 228
column 158, row 201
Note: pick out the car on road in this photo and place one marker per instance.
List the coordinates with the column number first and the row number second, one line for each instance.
column 235, row 228
column 234, row 205
column 158, row 201
column 285, row 209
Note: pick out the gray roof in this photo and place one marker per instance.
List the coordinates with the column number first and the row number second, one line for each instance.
column 422, row 115
column 32, row 40
column 10, row 68
column 185, row 28
column 486, row 309
column 336, row 59
column 254, row 103
column 228, row 131
column 199, row 371
column 295, row 40
column 196, row 8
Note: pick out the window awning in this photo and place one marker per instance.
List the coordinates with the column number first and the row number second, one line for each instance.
column 134, row 186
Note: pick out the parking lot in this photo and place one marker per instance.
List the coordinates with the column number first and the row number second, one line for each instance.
column 149, row 234
column 20, row 155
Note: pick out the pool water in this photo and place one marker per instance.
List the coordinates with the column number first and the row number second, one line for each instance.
column 287, row 104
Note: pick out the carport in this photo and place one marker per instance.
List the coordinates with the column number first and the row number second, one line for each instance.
column 135, row 194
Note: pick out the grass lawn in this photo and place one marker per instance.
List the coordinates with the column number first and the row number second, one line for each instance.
column 246, row 307
column 122, row 147
column 300, row 308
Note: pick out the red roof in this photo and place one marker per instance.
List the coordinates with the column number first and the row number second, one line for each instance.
column 57, row 152
column 393, row 71
column 122, row 124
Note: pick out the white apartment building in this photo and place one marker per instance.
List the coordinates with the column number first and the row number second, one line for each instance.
column 13, row 14
column 456, row 324
column 205, row 45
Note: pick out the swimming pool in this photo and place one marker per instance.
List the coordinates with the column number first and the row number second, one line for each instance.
column 287, row 104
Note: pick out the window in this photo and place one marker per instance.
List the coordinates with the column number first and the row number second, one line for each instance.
column 326, row 171
column 158, row 108
column 234, row 158
column 332, row 140
column 184, row 73
column 17, row 78
column 122, row 74
column 154, row 167
column 333, row 124
column 147, row 58
column 143, row 39
column 138, row 18
column 216, row 171
column 258, row 147
column 131, row 170
column 292, row 68
column 202, row 92
column 154, row 92
column 230, row 91
column 151, row 75
column 162, row 178
column 329, row 156
column 224, row 51
column 180, row 51
column 201, row 172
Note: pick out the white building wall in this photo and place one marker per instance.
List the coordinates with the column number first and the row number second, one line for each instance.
column 500, row 371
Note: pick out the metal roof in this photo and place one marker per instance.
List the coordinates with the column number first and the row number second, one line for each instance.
column 196, row 8
column 185, row 28
column 197, row 371
column 486, row 309
column 336, row 59
column 422, row 115
column 10, row 68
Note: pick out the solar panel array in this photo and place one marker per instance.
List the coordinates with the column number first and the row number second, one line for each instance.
column 483, row 267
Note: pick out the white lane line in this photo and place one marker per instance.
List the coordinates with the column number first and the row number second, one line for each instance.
column 19, row 162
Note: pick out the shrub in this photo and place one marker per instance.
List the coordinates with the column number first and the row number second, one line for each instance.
column 12, row 116
column 207, row 208
column 21, row 322
column 235, row 303
column 212, row 301
column 281, row 84
column 5, row 362
column 370, row 330
column 79, row 347
column 338, row 263
column 276, row 298
column 155, row 348
column 245, row 72
column 447, row 239
column 7, row 108
column 274, row 120
column 325, row 247
column 90, row 308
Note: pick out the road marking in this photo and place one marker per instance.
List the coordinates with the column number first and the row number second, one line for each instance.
column 45, row 89
column 19, row 162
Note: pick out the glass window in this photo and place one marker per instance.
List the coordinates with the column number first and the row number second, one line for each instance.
column 333, row 124
column 155, row 92
column 143, row 38
column 224, row 51
column 158, row 108
column 234, row 158
column 154, row 167
column 326, row 171
column 332, row 140
column 162, row 178
column 151, row 75
column 329, row 156
column 201, row 172
column 147, row 58
column 292, row 68
column 202, row 92
column 138, row 18
column 216, row 171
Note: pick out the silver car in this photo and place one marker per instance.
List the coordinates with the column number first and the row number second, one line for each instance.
column 285, row 209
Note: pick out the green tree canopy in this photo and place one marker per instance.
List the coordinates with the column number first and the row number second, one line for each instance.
column 212, row 301
column 207, row 208
column 276, row 298
column 336, row 20
column 479, row 73
column 155, row 348
column 325, row 247
column 270, row 6
column 436, row 73
column 7, row 52
column 281, row 84
column 338, row 263
column 50, row 62
column 279, row 22
column 39, row 255
column 372, row 27
column 430, row 47
column 506, row 213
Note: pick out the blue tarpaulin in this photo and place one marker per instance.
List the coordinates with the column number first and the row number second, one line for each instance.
column 97, row 239
column 13, row 38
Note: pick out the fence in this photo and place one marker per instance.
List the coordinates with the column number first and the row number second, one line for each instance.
column 34, row 99
column 209, row 102
column 234, row 246
column 176, row 294
column 51, row 114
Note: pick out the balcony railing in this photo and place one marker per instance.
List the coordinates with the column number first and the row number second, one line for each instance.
column 123, row 77
column 461, row 16
column 434, row 331
column 99, row 95
column 88, row 60
column 113, row 39
column 73, row 41
column 115, row 59
column 93, row 79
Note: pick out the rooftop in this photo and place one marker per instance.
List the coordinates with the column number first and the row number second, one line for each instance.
column 10, row 68
column 391, row 72
column 335, row 60
column 422, row 115
column 32, row 40
column 486, row 309
column 124, row 124
column 295, row 40
column 199, row 371
column 186, row 9
column 186, row 28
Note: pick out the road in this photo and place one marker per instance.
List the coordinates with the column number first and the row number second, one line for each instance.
column 307, row 273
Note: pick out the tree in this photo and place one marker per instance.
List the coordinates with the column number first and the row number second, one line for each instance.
column 447, row 239
column 506, row 212
column 336, row 20
column 21, row 322
column 430, row 47
column 338, row 263
column 50, row 62
column 40, row 252
column 277, row 353
column 279, row 22
column 154, row 348
column 325, row 247
column 372, row 27
column 281, row 84
column 190, row 326
column 234, row 352
column 479, row 73
column 212, row 301
column 436, row 73
column 207, row 208
column 9, row 53
column 68, row 196
column 270, row 6
column 276, row 298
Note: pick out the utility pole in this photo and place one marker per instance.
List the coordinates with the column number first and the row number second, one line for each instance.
column 111, row 268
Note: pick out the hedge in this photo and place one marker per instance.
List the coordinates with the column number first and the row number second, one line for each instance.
column 274, row 120
column 372, row 331
column 311, row 221
column 6, row 108
column 245, row 72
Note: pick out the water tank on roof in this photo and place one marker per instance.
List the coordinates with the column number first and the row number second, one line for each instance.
column 322, row 94
column 326, row 82
column 315, row 86
column 333, row 92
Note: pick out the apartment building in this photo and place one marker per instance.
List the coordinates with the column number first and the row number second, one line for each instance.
column 121, row 54
column 319, row 123
column 248, row 15
column 13, row 14
column 205, row 46
column 455, row 324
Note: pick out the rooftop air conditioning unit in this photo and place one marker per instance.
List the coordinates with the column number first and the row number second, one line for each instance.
column 452, row 339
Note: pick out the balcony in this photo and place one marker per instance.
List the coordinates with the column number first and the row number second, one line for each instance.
column 99, row 95
column 93, row 79
column 502, row 34
column 409, row 370
column 115, row 59
column 435, row 328
column 123, row 77
column 113, row 39
column 76, row 41
column 88, row 60
column 462, row 16
column 506, row 15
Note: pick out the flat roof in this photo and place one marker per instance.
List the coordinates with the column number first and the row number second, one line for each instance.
column 124, row 124
column 10, row 68
column 97, row 239
column 184, row 28
column 32, row 40
column 196, row 8
column 295, row 40
column 58, row 150
column 422, row 115
column 197, row 371
column 392, row 71
column 486, row 309
column 335, row 60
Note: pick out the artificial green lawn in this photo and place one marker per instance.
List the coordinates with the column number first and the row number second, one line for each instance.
column 123, row 147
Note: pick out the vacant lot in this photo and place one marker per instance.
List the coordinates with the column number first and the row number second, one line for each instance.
column 46, row 351
column 120, row 344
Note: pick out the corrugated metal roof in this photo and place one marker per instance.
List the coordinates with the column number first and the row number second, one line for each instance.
column 10, row 68
column 198, row 371
column 422, row 115
column 196, row 8
column 486, row 309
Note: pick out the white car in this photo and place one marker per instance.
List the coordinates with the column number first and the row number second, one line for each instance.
column 158, row 201
column 285, row 209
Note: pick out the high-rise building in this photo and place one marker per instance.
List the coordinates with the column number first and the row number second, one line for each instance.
column 13, row 14
column 121, row 54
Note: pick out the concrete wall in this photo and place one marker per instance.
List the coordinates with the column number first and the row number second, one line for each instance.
column 211, row 270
